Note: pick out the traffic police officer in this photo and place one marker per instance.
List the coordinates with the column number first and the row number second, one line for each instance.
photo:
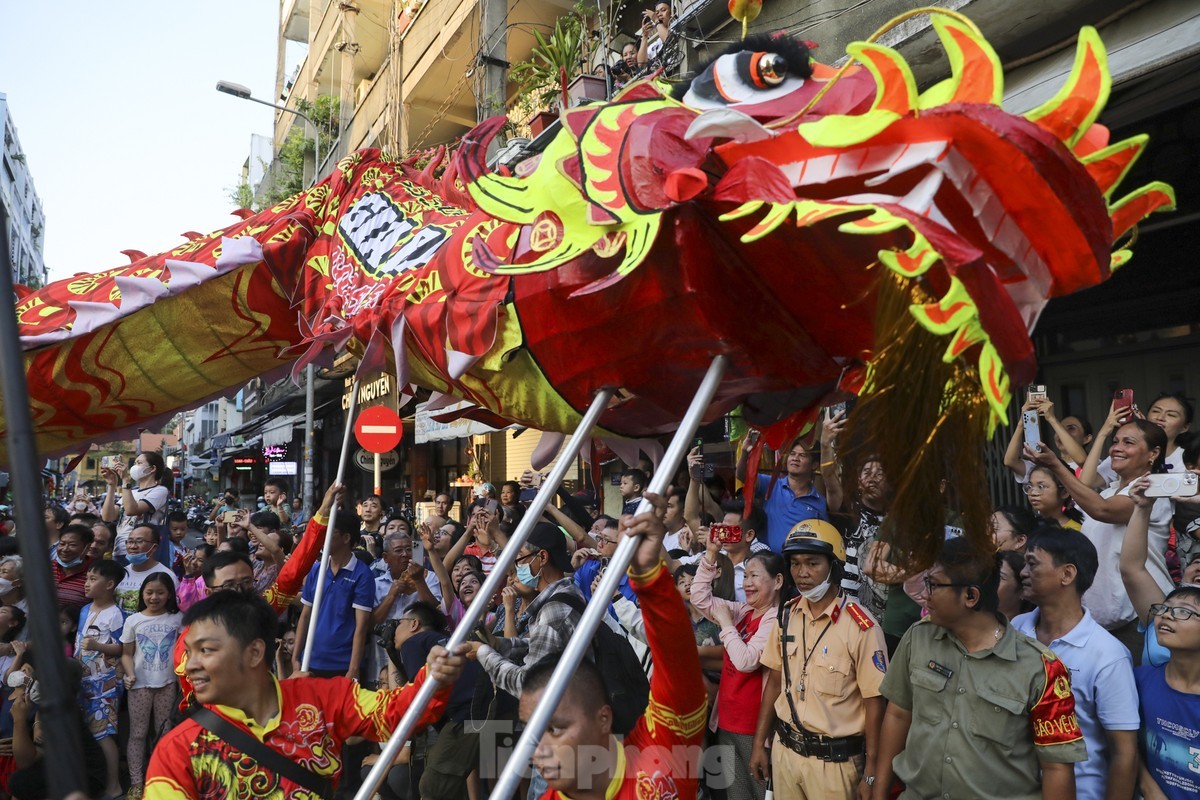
column 825, row 662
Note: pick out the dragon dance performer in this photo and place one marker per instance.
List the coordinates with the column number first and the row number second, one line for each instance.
column 577, row 755
column 239, row 576
column 256, row 736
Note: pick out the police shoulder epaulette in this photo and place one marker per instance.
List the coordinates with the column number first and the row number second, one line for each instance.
column 859, row 616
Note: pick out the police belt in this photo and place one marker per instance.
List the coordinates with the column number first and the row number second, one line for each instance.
column 814, row 745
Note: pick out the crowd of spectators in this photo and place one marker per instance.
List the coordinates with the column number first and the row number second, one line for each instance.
column 1064, row 662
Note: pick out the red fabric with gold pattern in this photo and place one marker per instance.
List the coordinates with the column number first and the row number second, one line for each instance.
column 1053, row 716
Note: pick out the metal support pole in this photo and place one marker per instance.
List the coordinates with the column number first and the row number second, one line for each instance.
column 581, row 639
column 310, row 375
column 59, row 710
column 494, row 583
column 323, row 570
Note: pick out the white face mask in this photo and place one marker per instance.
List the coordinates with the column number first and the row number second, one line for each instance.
column 6, row 586
column 817, row 592
column 137, row 471
column 80, row 506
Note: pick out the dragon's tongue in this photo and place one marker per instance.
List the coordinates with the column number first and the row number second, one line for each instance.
column 755, row 178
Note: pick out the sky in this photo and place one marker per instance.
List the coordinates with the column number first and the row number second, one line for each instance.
column 127, row 140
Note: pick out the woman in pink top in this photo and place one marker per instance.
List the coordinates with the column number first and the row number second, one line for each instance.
column 745, row 629
column 460, row 589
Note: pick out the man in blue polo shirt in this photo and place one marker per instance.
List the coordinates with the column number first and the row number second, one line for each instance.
column 346, row 604
column 1059, row 567
column 792, row 499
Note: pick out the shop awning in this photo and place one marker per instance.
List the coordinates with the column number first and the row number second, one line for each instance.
column 280, row 431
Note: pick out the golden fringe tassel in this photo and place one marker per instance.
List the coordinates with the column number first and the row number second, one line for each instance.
column 926, row 421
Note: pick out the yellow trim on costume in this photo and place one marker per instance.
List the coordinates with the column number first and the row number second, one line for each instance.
column 320, row 519
column 646, row 578
column 164, row 788
column 618, row 778
column 259, row 731
column 685, row 725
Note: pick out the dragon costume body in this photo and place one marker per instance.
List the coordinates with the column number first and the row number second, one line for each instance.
column 832, row 232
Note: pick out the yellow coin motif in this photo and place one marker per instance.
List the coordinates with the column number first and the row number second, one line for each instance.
column 547, row 232
column 84, row 284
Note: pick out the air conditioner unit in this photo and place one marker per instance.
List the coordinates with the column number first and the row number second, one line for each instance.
column 360, row 94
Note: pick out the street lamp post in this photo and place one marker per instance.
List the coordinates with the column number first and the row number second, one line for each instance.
column 242, row 92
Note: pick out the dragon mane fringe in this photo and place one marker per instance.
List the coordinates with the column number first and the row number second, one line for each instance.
column 926, row 421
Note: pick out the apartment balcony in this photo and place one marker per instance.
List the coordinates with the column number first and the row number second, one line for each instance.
column 293, row 20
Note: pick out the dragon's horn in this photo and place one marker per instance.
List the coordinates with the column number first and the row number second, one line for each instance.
column 1070, row 113
column 192, row 236
column 242, row 213
column 133, row 255
column 1108, row 167
column 1126, row 212
column 501, row 196
column 896, row 89
column 976, row 74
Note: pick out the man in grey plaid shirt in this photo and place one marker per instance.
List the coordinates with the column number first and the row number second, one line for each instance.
column 543, row 564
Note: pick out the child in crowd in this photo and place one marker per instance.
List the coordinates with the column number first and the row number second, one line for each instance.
column 1169, row 696
column 191, row 588
column 98, row 649
column 30, row 779
column 148, row 640
column 283, row 654
column 68, row 624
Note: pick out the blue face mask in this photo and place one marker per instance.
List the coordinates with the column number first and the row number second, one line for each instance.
column 67, row 564
column 525, row 575
column 137, row 560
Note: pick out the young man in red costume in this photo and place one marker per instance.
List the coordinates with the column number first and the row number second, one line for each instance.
column 659, row 760
column 231, row 647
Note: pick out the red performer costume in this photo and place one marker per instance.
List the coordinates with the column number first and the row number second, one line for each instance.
column 659, row 759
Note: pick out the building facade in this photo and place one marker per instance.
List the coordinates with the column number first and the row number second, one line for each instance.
column 22, row 207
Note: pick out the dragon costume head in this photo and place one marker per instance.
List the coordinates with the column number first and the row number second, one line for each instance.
column 832, row 231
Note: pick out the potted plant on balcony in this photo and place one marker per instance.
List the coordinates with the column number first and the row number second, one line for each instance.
column 543, row 77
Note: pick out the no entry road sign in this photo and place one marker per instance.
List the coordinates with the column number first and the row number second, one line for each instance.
column 378, row 429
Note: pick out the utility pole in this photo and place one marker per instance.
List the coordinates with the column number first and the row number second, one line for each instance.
column 397, row 110
column 493, row 59
column 349, row 48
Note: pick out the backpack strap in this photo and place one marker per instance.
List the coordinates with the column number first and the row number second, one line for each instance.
column 567, row 599
column 263, row 755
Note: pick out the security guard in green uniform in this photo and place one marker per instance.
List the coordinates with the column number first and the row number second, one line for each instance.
column 825, row 663
column 976, row 708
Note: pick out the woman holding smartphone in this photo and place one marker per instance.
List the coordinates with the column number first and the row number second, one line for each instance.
column 142, row 497
column 1170, row 411
column 745, row 629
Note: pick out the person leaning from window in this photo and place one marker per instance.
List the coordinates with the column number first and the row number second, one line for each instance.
column 664, row 50
column 976, row 709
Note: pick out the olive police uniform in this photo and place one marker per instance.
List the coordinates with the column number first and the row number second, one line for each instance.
column 980, row 721
column 830, row 663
